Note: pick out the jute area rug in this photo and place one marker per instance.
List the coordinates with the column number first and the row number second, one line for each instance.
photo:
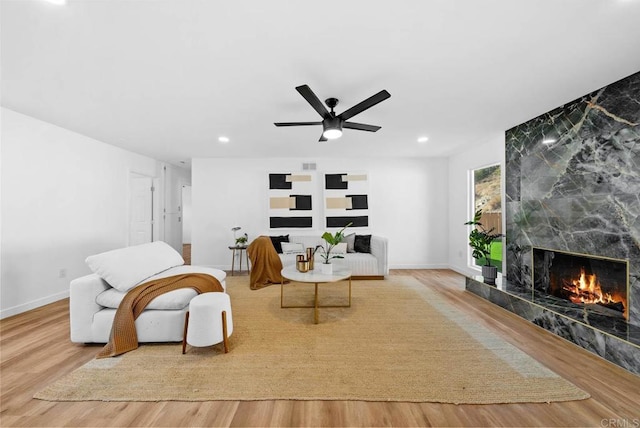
column 400, row 341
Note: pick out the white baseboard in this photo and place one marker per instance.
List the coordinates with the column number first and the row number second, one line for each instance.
column 18, row 309
column 429, row 266
column 466, row 271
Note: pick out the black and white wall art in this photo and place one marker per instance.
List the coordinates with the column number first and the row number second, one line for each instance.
column 346, row 200
column 291, row 200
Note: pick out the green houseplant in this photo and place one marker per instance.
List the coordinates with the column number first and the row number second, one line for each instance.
column 331, row 242
column 480, row 240
column 242, row 240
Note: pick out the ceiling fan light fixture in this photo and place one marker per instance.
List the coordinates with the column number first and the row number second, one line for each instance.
column 332, row 133
column 332, row 128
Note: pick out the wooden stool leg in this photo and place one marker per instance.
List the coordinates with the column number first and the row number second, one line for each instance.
column 225, row 341
column 184, row 337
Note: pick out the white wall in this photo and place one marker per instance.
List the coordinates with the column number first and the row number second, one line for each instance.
column 64, row 197
column 407, row 204
column 460, row 209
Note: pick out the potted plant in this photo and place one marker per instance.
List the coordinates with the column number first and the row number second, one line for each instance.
column 242, row 240
column 331, row 241
column 480, row 240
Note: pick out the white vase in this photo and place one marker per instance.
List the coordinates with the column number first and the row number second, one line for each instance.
column 326, row 268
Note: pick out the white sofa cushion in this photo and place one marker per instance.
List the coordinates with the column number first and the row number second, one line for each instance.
column 127, row 267
column 173, row 300
column 292, row 248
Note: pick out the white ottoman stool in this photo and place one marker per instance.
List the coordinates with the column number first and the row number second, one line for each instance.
column 208, row 321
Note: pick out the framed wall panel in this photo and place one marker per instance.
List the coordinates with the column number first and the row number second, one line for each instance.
column 291, row 200
column 346, row 199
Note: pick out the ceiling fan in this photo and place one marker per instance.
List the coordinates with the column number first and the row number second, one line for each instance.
column 332, row 124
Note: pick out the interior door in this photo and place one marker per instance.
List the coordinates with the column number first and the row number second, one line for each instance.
column 173, row 208
column 141, row 212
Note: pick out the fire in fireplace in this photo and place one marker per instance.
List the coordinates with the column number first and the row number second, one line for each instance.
column 583, row 280
column 587, row 289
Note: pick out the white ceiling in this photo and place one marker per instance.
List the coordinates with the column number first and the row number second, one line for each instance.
column 167, row 78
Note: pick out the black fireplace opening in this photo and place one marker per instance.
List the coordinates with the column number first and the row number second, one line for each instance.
column 588, row 283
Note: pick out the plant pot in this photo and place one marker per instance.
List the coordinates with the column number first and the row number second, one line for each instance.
column 489, row 274
column 326, row 268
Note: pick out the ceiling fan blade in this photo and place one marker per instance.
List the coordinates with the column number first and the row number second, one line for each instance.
column 296, row 123
column 312, row 99
column 368, row 103
column 360, row 126
column 323, row 138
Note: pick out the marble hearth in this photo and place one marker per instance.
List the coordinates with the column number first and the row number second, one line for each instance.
column 618, row 343
column 572, row 183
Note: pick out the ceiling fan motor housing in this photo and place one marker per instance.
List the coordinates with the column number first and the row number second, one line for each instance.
column 332, row 123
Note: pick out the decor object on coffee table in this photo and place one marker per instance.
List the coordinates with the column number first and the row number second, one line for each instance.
column 480, row 240
column 325, row 251
column 208, row 321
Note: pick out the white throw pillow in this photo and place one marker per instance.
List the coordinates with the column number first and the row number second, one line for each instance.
column 292, row 248
column 340, row 248
column 350, row 240
column 125, row 268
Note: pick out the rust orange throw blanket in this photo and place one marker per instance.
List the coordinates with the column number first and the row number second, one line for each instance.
column 123, row 337
column 265, row 263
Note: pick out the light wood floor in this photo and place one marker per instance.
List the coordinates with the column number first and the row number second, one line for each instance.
column 186, row 253
column 35, row 350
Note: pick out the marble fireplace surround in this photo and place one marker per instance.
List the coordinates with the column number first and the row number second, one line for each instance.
column 573, row 184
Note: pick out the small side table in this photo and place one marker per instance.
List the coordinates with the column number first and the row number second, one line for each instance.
column 235, row 248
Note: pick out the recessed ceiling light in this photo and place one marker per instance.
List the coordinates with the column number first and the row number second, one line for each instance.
column 423, row 139
column 548, row 141
column 223, row 140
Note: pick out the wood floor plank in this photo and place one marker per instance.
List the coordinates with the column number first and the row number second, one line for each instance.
column 35, row 350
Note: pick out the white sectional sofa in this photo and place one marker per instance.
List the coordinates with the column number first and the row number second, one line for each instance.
column 373, row 265
column 93, row 299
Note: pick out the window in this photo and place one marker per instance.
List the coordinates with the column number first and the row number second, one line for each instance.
column 487, row 196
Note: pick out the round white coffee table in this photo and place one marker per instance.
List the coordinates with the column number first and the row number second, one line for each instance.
column 314, row 277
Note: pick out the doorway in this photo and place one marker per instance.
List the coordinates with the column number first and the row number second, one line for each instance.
column 141, row 218
column 186, row 224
